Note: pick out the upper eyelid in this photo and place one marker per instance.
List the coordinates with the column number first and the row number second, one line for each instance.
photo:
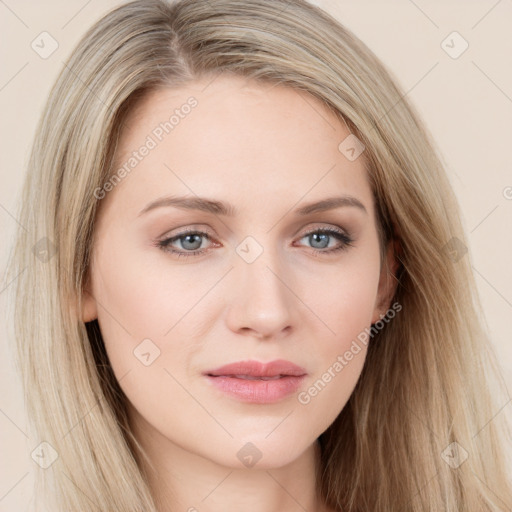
column 191, row 229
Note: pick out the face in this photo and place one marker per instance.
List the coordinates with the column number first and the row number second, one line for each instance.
column 238, row 269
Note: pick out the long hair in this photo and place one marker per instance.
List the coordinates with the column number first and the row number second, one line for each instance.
column 428, row 392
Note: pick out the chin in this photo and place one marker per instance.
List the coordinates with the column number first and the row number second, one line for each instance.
column 260, row 453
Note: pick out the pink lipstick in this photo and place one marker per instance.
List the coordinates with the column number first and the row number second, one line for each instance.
column 255, row 382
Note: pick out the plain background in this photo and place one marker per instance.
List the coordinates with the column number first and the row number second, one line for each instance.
column 466, row 103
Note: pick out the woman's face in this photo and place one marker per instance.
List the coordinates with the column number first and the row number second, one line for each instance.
column 247, row 270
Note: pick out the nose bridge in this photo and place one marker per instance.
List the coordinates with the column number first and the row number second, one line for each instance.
column 264, row 277
column 262, row 301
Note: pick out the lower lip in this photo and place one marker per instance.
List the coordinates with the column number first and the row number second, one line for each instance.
column 257, row 391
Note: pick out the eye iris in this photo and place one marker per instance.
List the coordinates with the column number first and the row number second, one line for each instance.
column 322, row 238
column 188, row 239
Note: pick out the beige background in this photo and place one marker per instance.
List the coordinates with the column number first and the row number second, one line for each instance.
column 466, row 103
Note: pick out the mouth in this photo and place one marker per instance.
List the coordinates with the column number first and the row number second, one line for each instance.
column 250, row 377
column 255, row 369
column 255, row 382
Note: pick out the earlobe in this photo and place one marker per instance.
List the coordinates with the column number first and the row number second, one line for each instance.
column 89, row 310
column 388, row 281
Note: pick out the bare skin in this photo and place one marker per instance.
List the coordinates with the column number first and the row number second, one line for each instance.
column 267, row 152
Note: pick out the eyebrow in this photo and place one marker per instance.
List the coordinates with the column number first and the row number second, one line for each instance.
column 226, row 209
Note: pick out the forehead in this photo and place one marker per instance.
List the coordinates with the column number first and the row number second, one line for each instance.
column 240, row 139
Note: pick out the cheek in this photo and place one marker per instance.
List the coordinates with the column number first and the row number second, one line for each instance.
column 139, row 293
column 141, row 310
column 134, row 304
column 346, row 305
column 343, row 297
column 150, row 312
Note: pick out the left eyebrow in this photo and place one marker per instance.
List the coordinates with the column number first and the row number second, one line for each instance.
column 226, row 209
column 330, row 203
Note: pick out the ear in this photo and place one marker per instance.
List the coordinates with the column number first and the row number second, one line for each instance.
column 388, row 280
column 89, row 308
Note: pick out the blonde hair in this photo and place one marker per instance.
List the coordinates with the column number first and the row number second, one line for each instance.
column 430, row 376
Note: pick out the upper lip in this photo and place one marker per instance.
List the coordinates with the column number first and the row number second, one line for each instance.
column 257, row 369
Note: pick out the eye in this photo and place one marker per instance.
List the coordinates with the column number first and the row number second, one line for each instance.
column 190, row 242
column 320, row 239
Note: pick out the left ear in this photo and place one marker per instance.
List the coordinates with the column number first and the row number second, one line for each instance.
column 89, row 308
column 388, row 280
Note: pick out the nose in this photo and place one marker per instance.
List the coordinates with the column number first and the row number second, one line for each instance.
column 262, row 303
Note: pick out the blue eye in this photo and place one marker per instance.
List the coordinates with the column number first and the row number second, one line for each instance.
column 188, row 240
column 320, row 238
column 192, row 240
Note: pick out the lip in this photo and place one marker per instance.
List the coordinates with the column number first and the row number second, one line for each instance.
column 257, row 369
column 286, row 377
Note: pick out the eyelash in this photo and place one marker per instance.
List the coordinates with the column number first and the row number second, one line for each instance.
column 338, row 234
